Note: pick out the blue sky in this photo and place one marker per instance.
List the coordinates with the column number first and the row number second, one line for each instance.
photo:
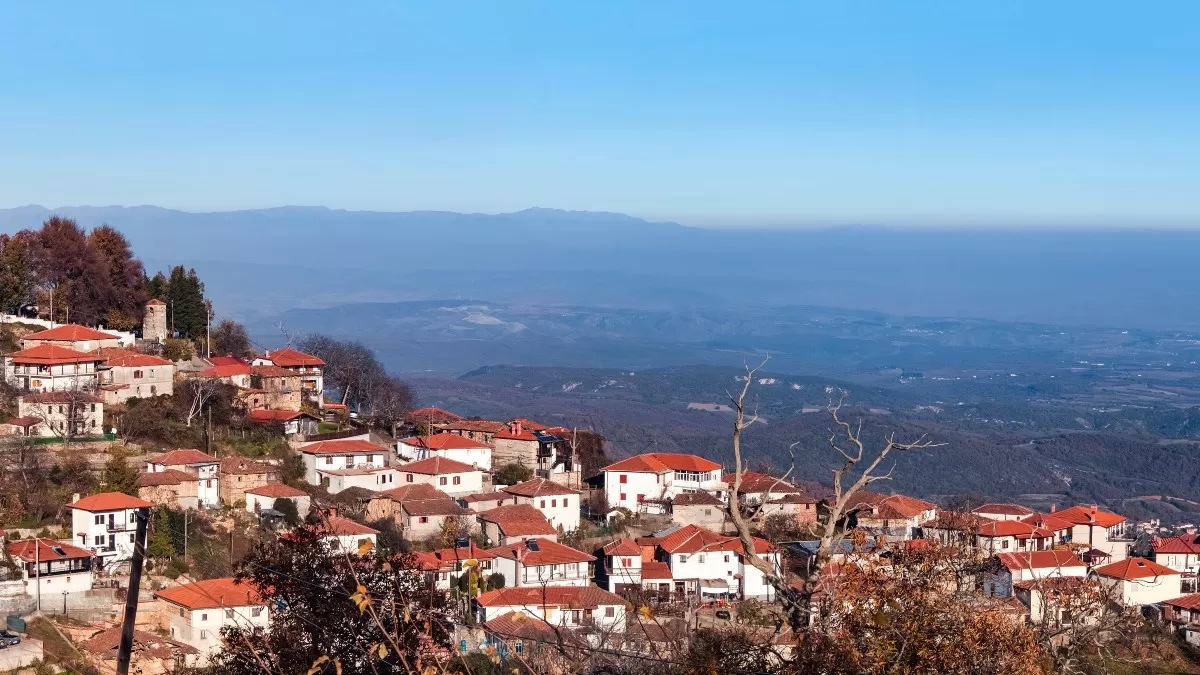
column 733, row 113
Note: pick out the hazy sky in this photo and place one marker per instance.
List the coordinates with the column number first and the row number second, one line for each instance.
column 732, row 112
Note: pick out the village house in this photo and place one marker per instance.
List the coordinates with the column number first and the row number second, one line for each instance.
column 203, row 466
column 326, row 456
column 289, row 422
column 60, row 414
column 263, row 497
column 1053, row 600
column 954, row 528
column 1002, row 511
column 424, row 518
column 62, row 567
column 1048, row 521
column 514, row 523
column 799, row 507
column 272, row 387
column 481, row 431
column 758, row 488
column 486, row 501
column 643, row 483
column 345, row 535
column 447, row 475
column 374, row 478
column 126, row 374
column 1006, row 569
column 72, row 336
column 538, row 561
column 425, row 420
column 239, row 474
column 48, row 367
column 1000, row 536
column 200, row 610
column 448, row 563
column 1105, row 532
column 1183, row 613
column 1180, row 553
column 106, row 525
column 698, row 508
column 236, row 374
column 1138, row 581
column 308, row 368
column 171, row 488
column 621, row 569
column 559, row 504
column 524, row 442
column 709, row 565
column 561, row 606
column 895, row 516
column 386, row 504
column 152, row 654
column 447, row 446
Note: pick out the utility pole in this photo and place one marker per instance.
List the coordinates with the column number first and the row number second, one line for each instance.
column 208, row 331
column 37, row 565
column 185, row 515
column 125, row 650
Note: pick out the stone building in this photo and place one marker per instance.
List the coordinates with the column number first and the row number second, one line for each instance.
column 239, row 474
column 154, row 323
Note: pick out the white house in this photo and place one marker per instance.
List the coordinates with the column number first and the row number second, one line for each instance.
column 448, row 446
column 1002, row 536
column 1180, row 553
column 711, row 565
column 204, row 466
column 1100, row 530
column 658, row 476
column 446, row 563
column 106, row 525
column 264, row 497
column 1010, row 569
column 350, row 453
column 513, row 523
column 310, row 369
column 49, row 367
column 1138, row 581
column 237, row 374
column 72, row 336
column 126, row 374
column 201, row 609
column 60, row 566
column 376, row 478
column 540, row 561
column 1002, row 511
column 450, row 476
column 559, row 504
column 622, row 565
column 61, row 413
column 564, row 606
column 345, row 535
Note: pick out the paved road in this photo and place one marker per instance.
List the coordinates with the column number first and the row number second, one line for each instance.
column 21, row 655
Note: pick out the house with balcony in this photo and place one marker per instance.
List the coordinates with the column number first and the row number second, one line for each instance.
column 200, row 610
column 538, row 561
column 126, row 374
column 1060, row 528
column 1106, row 533
column 203, row 466
column 49, row 367
column 447, row 446
column 560, row 504
column 106, row 525
column 644, row 483
column 1182, row 554
column 1183, row 614
column 308, row 368
column 341, row 455
column 447, row 563
column 707, row 565
column 62, row 568
column 561, row 607
column 621, row 568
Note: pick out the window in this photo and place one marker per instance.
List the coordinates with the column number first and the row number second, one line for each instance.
column 708, row 512
column 99, row 520
column 627, row 562
column 422, row 519
column 610, row 611
column 182, row 613
column 153, row 390
column 203, row 635
column 1004, row 544
column 229, row 614
column 544, row 504
column 622, row 496
column 682, row 558
column 133, row 538
column 256, row 611
column 565, row 504
column 204, row 617
column 328, row 461
column 99, row 540
column 458, row 480
column 442, row 480
column 408, row 477
column 93, row 407
column 624, row 478
column 137, row 374
column 726, row 557
column 553, row 503
column 702, row 558
column 208, row 483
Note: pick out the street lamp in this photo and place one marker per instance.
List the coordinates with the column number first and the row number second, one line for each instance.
column 64, row 603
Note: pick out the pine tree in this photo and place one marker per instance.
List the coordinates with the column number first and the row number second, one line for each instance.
column 187, row 313
column 159, row 544
column 119, row 476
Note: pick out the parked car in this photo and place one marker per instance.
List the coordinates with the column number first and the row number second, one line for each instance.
column 9, row 638
column 723, row 614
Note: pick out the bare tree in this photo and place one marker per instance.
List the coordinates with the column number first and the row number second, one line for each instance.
column 856, row 471
column 196, row 393
column 68, row 413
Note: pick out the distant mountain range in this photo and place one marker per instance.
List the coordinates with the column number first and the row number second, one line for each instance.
column 269, row 260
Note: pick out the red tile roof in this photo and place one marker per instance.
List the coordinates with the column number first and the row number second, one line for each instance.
column 1184, row 543
column 51, row 355
column 623, row 547
column 1013, row 528
column 337, row 526
column 539, row 487
column 445, row 442
column 484, row 426
column 414, row 492
column 910, row 506
column 527, row 424
column 1189, row 601
column 231, row 370
column 435, row 415
column 346, row 447
column 226, row 361
column 211, row 594
column 109, row 501
column 1048, row 521
column 1040, row 560
column 1086, row 515
column 695, row 539
column 696, row 499
column 519, row 520
column 436, row 466
column 105, row 643
column 168, row 477
column 60, row 397
column 1134, row 568
column 70, row 333
column 755, row 482
column 277, row 491
column 155, row 301
column 658, row 462
column 519, row 625
column 549, row 553
column 452, row 555
column 23, row 422
column 434, row 507
column 1004, row 509
column 135, row 361
column 290, row 358
column 272, row 371
column 183, row 457
column 525, row 435
column 45, row 552
column 798, row 498
column 653, row 569
column 581, row 597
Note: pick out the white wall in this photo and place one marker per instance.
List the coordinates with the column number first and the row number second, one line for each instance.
column 620, row 573
column 201, row 628
column 480, row 458
column 453, row 484
column 626, row 494
column 558, row 509
column 122, row 538
column 312, row 463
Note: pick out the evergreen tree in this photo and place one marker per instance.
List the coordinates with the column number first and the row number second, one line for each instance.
column 157, row 286
column 159, row 544
column 119, row 476
column 187, row 313
column 291, row 514
column 17, row 278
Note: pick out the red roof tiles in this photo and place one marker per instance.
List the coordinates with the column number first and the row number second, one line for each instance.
column 755, row 482
column 1134, row 568
column 211, row 594
column 414, row 492
column 1086, row 515
column 1190, row 601
column 1184, row 543
column 694, row 539
column 445, row 442
column 658, row 462
column 1039, row 560
column 70, row 333
column 168, row 477
column 1013, row 528
column 623, row 547
column 539, row 487
column 582, row 597
column 183, row 457
column 436, row 466
column 270, row 416
column 519, row 520
column 45, row 551
column 277, row 491
column 548, row 553
column 346, row 447
column 52, row 355
column 290, row 358
column 434, row 415
column 231, row 370
column 245, row 466
column 135, row 361
column 109, row 501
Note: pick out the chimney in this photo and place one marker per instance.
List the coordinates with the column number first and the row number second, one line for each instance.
column 1053, row 508
column 1095, row 507
column 74, row 497
column 517, row 428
